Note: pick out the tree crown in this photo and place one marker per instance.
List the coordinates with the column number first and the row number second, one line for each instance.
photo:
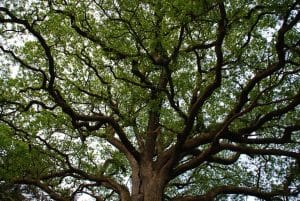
column 110, row 98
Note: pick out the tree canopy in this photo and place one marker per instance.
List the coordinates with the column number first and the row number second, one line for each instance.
column 150, row 100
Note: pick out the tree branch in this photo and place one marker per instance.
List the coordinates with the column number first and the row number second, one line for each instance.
column 196, row 106
column 43, row 186
column 243, row 149
column 213, row 193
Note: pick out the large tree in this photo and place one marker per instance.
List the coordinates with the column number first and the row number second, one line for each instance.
column 151, row 100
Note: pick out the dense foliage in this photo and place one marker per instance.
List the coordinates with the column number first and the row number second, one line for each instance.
column 150, row 100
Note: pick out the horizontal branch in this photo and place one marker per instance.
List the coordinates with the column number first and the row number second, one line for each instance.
column 44, row 187
column 243, row 149
column 225, row 161
column 200, row 46
column 284, row 139
column 213, row 193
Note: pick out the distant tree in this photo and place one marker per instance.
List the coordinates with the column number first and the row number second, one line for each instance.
column 151, row 100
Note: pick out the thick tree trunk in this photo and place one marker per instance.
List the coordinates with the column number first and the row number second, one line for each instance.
column 148, row 184
column 150, row 190
column 153, row 190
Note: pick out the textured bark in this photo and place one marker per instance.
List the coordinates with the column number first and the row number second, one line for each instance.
column 148, row 183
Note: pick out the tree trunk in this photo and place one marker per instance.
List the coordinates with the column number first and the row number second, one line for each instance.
column 148, row 184
column 150, row 190
column 153, row 190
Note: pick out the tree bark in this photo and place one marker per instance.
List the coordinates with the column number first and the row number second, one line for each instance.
column 148, row 183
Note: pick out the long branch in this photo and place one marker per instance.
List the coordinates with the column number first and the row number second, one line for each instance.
column 213, row 193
